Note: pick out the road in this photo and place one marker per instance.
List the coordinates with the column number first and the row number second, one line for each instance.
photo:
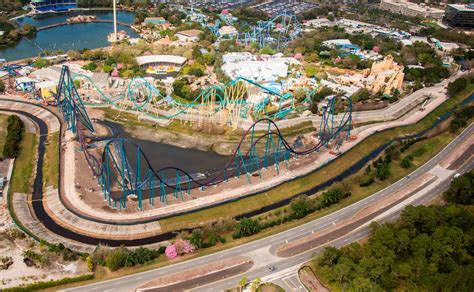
column 260, row 250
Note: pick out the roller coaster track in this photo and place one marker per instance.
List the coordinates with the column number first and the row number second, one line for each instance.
column 276, row 32
column 122, row 172
column 228, row 103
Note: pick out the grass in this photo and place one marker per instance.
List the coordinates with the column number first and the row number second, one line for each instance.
column 21, row 181
column 51, row 161
column 3, row 132
column 269, row 287
column 130, row 120
column 288, row 189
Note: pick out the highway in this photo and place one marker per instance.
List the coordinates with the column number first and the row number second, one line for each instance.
column 260, row 250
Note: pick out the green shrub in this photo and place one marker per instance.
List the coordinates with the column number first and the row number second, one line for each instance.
column 247, row 227
column 457, row 86
column 367, row 182
column 406, row 162
column 301, row 206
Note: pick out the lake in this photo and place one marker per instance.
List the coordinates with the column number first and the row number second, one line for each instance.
column 67, row 37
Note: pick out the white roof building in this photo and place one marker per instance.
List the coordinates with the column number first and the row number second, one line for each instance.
column 47, row 73
column 256, row 70
column 144, row 60
column 237, row 57
column 190, row 35
column 336, row 42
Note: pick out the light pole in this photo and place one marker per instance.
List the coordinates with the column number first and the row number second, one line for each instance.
column 115, row 20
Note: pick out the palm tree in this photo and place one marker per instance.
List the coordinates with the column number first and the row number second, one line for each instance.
column 243, row 283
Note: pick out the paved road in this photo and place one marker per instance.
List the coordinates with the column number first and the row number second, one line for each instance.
column 259, row 250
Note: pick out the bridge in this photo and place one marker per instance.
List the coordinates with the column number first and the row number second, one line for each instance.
column 71, row 23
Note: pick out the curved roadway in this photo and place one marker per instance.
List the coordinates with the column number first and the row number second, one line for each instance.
column 259, row 250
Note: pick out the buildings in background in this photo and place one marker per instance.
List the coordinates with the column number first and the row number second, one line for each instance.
column 411, row 9
column 190, row 35
column 460, row 15
column 53, row 5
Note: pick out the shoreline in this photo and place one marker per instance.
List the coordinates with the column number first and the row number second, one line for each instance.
column 53, row 14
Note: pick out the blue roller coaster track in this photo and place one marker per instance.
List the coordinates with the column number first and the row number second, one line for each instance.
column 276, row 32
column 123, row 169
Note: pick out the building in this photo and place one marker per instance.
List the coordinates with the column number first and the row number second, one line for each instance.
column 155, row 20
column 237, row 57
column 53, row 5
column 228, row 31
column 460, row 15
column 189, row 36
column 257, row 71
column 161, row 65
column 411, row 9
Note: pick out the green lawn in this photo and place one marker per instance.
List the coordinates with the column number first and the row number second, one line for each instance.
column 22, row 171
column 51, row 160
column 3, row 132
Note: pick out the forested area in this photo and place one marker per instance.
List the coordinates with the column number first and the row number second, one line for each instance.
column 15, row 128
column 427, row 249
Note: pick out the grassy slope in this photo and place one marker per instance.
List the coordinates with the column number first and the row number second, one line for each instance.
column 288, row 189
column 50, row 165
column 23, row 169
column 3, row 132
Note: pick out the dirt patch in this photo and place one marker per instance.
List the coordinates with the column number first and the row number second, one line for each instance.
column 309, row 280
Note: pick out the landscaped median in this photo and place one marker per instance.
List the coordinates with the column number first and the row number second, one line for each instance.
column 199, row 276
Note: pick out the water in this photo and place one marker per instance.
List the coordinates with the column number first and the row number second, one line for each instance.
column 75, row 37
column 164, row 155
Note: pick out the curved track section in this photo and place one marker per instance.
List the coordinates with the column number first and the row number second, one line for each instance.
column 277, row 32
column 124, row 169
column 225, row 104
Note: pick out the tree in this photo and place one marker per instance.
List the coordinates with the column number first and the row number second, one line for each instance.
column 247, row 227
column 41, row 63
column 457, row 86
column 91, row 66
column 406, row 162
column 242, row 283
column 461, row 190
column 267, row 51
column 15, row 127
column 2, row 86
column 310, row 71
column 255, row 284
column 360, row 95
column 301, row 206
column 383, row 171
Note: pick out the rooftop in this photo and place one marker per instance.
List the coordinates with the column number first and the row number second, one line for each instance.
column 190, row 32
column 463, row 7
column 142, row 60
